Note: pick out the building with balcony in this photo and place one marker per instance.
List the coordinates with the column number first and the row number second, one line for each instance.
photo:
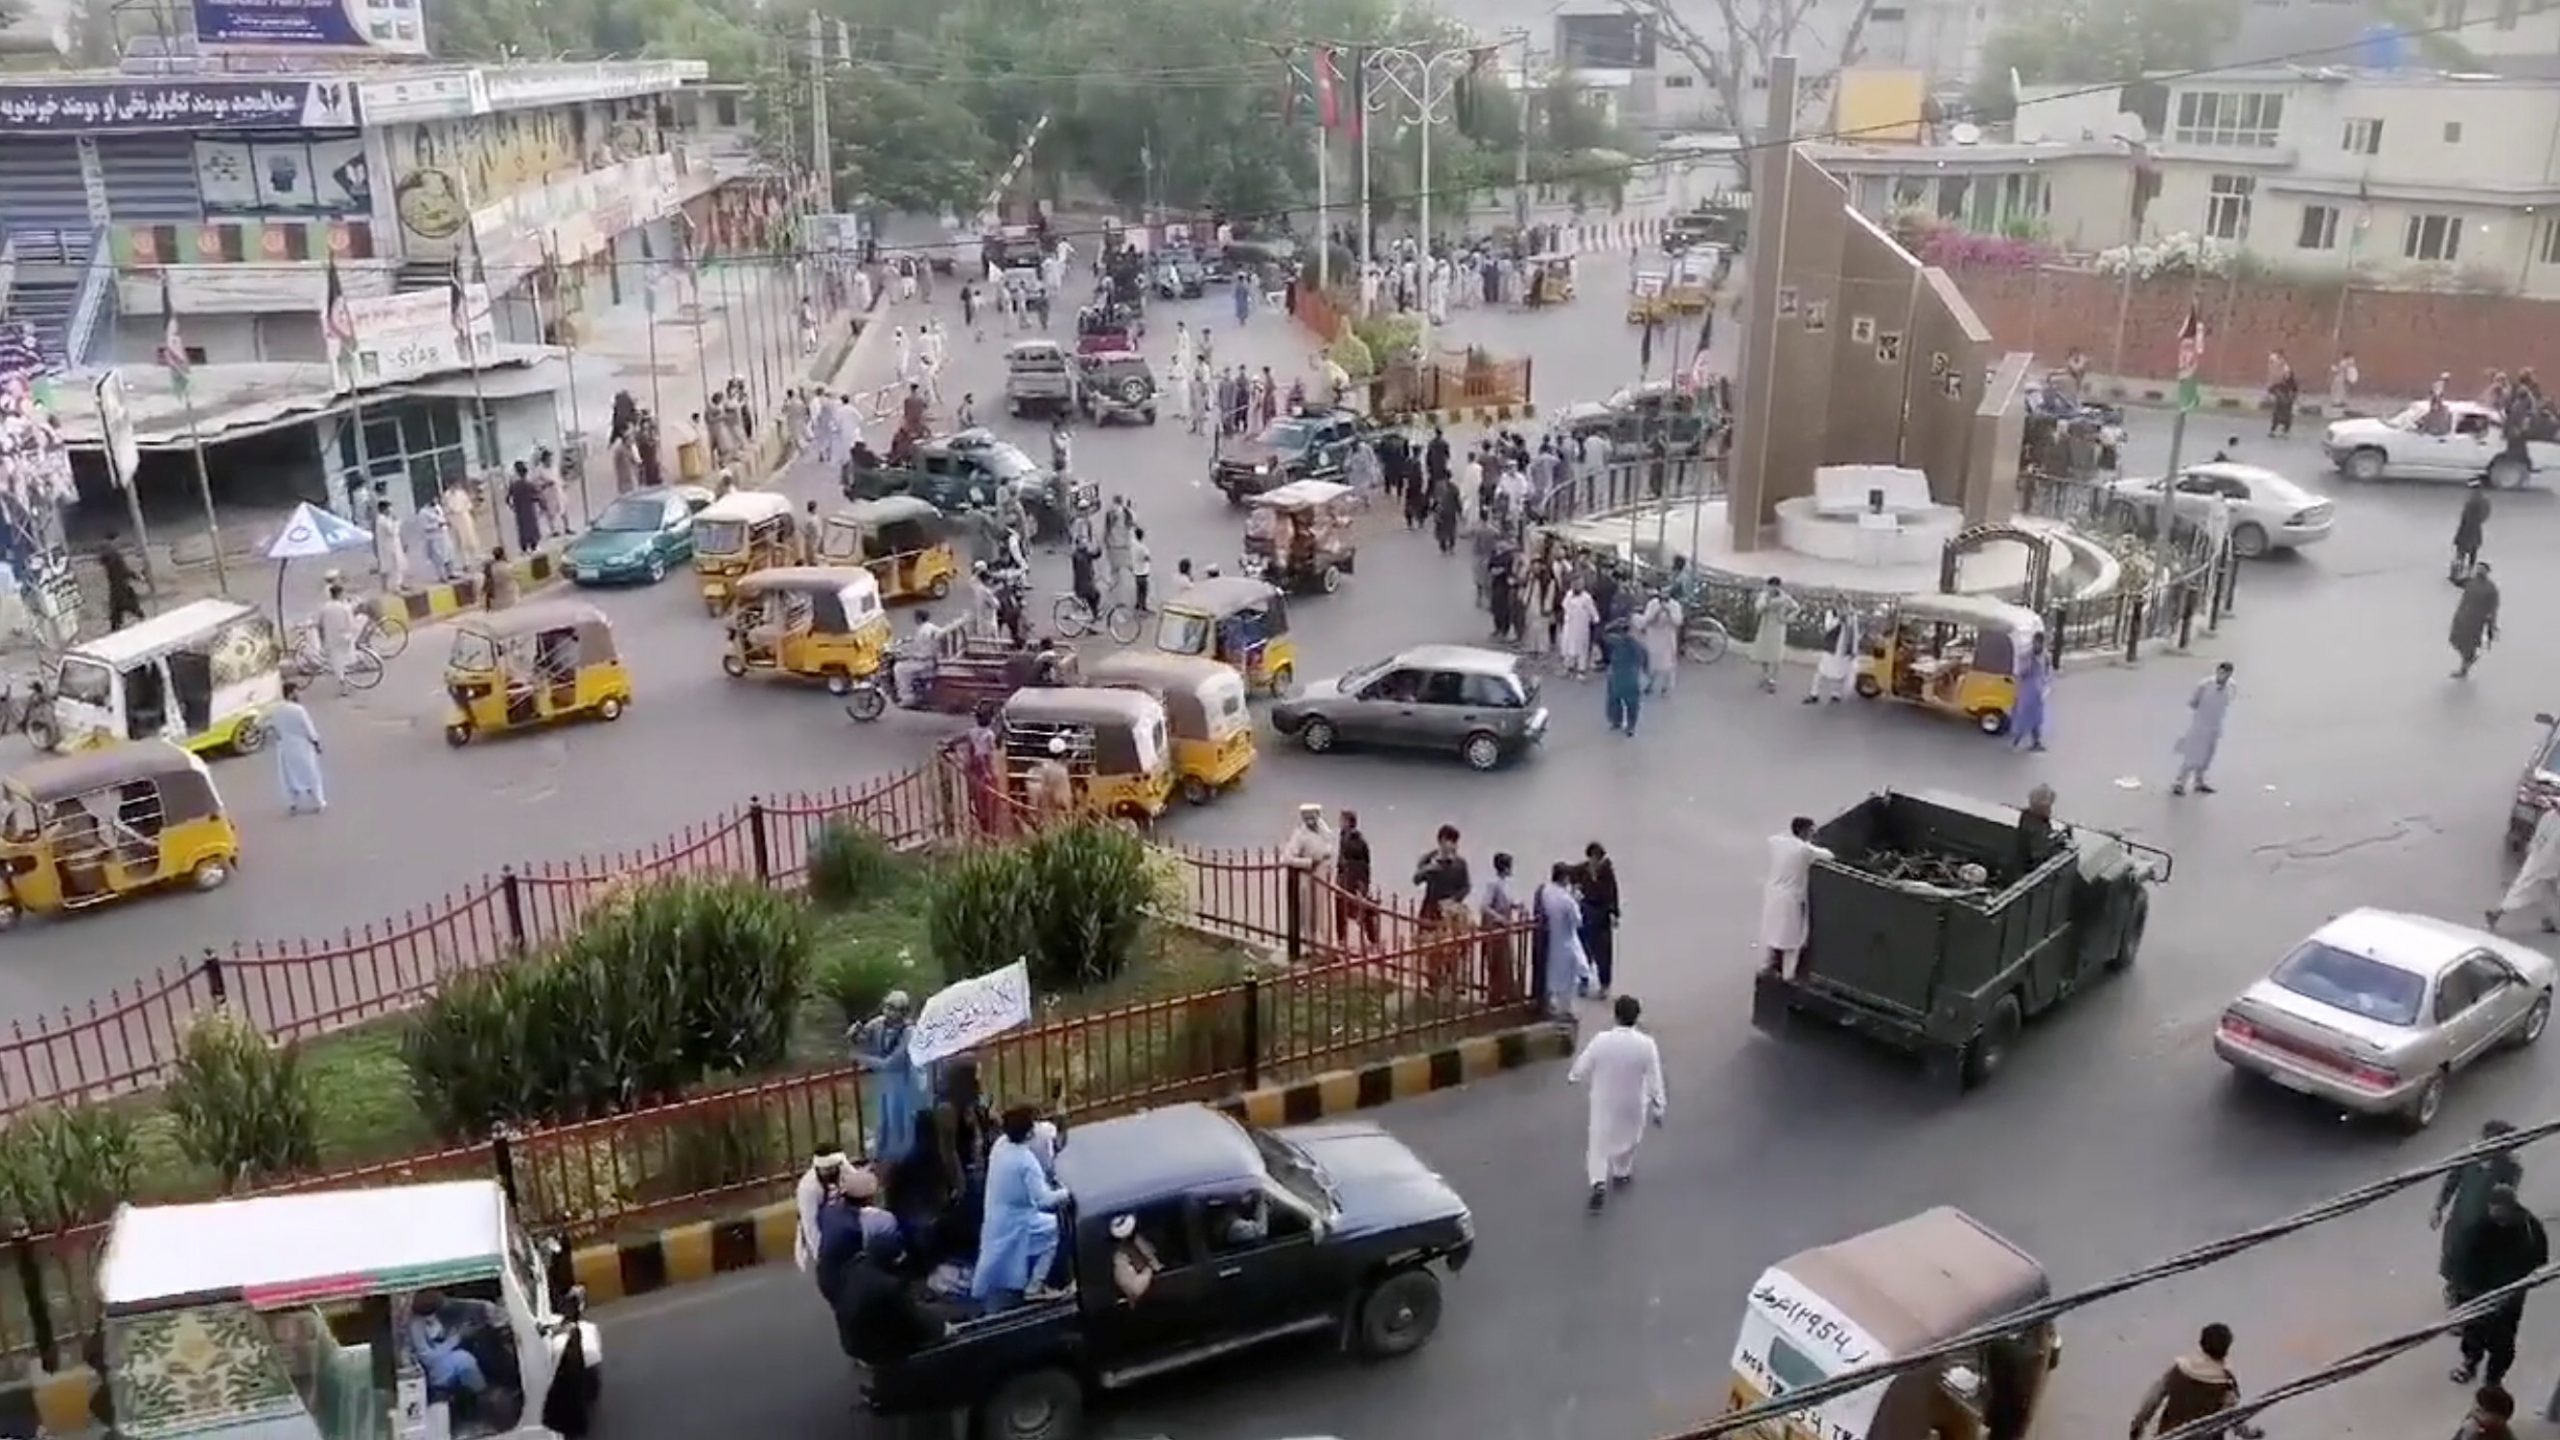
column 560, row 191
column 2402, row 178
column 2076, row 194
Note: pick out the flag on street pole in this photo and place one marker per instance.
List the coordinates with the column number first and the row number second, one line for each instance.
column 1328, row 105
column 2190, row 355
column 459, row 295
column 338, row 322
column 173, row 346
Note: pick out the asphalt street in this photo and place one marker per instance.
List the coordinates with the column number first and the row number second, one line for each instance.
column 2355, row 772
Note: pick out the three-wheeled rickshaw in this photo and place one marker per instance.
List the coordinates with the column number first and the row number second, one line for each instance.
column 1549, row 278
column 1298, row 536
column 1645, row 298
column 1886, row 1295
column 965, row 671
column 1113, row 743
column 1955, row 654
column 901, row 539
column 407, row 1310
column 532, row 665
column 1204, row 709
column 738, row 534
column 198, row 675
column 1240, row 623
column 815, row 622
column 79, row 830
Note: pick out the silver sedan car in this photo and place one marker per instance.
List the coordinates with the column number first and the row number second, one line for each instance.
column 2376, row 1010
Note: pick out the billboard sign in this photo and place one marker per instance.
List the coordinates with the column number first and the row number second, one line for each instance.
column 383, row 27
column 63, row 108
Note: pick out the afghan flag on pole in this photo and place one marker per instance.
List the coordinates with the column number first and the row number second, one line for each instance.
column 173, row 346
column 2190, row 355
column 338, row 322
column 1329, row 110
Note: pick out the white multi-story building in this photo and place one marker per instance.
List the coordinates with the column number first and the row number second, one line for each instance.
column 2403, row 178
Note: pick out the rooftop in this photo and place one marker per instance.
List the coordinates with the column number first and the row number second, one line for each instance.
column 338, row 1241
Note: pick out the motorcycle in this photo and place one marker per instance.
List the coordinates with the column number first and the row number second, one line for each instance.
column 30, row 713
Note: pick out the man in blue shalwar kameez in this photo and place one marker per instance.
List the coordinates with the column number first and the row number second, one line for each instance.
column 1019, row 1236
column 297, row 742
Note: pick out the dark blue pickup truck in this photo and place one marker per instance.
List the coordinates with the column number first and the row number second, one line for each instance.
column 1255, row 1234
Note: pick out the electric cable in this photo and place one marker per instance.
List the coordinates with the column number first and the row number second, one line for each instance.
column 2044, row 1311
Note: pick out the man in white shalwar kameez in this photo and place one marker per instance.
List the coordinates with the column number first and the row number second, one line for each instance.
column 1775, row 610
column 2208, row 709
column 904, row 350
column 1839, row 662
column 2537, row 882
column 1659, row 628
column 1309, row 853
column 1782, row 897
column 818, row 1184
column 1623, row 1069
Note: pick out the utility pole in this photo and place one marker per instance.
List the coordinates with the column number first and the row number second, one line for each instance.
column 1424, row 80
column 821, row 160
column 1520, row 162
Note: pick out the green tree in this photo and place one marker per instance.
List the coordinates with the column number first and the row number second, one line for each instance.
column 2095, row 41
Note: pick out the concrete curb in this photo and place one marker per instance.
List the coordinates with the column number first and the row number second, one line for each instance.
column 444, row 600
column 58, row 1405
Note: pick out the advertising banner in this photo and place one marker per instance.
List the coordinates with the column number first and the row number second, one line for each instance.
column 411, row 334
column 205, row 104
column 386, row 27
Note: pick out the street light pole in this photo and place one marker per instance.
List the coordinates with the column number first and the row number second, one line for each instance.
column 1424, row 80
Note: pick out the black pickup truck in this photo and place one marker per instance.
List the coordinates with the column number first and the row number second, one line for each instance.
column 1309, row 444
column 1256, row 1234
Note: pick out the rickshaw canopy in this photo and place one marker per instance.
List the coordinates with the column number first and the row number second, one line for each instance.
column 1978, row 612
column 283, row 1250
column 893, row 510
column 65, row 776
column 1195, row 689
column 1916, row 1282
column 1302, row 495
column 747, row 507
column 535, row 618
column 1225, row 595
column 162, row 633
column 850, row 585
column 1060, row 705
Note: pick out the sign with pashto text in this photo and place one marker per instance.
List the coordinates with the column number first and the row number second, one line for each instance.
column 971, row 1013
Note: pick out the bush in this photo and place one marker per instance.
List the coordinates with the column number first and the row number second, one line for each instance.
column 677, row 982
column 978, row 916
column 849, row 865
column 244, row 1107
column 65, row 1167
column 1388, row 338
column 1352, row 354
column 854, row 980
column 1090, row 886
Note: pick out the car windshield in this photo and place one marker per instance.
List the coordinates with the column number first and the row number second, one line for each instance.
column 1291, row 434
column 1297, row 1171
column 1182, row 634
column 2344, row 981
column 1007, row 462
column 1355, row 681
column 629, row 514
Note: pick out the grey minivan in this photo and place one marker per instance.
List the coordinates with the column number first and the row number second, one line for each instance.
column 1477, row 702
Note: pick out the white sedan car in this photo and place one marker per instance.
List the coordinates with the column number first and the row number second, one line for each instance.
column 2268, row 511
column 2376, row 1010
column 2474, row 443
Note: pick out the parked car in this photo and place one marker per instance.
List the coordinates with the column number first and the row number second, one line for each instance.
column 2376, row 1010
column 1313, row 444
column 2538, row 789
column 1479, row 703
column 2398, row 448
column 2268, row 511
column 1254, row 1235
column 639, row 537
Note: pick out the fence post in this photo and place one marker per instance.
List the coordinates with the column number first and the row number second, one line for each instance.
column 502, row 1159
column 2133, row 630
column 2186, row 615
column 22, row 1247
column 2230, row 569
column 756, row 837
column 1252, row 1032
column 511, row 894
column 215, row 978
column 2053, row 627
column 1293, row 915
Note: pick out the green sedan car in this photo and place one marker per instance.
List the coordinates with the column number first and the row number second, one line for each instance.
column 638, row 539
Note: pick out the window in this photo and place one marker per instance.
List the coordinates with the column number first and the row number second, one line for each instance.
column 1444, row 687
column 724, row 111
column 1679, row 82
column 2226, row 206
column 2432, row 237
column 2363, row 137
column 2548, row 252
column 2248, row 119
column 2319, row 228
column 2453, row 132
column 2343, row 980
column 1491, row 692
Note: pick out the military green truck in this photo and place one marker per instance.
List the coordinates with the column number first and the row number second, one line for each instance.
column 1941, row 924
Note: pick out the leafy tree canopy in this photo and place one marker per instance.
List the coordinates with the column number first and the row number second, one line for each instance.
column 2096, row 41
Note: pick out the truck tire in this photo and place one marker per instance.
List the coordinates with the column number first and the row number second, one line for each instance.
column 1041, row 1405
column 2137, row 917
column 1989, row 1050
column 1397, row 1314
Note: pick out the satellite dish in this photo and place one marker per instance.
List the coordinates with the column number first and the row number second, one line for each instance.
column 1966, row 133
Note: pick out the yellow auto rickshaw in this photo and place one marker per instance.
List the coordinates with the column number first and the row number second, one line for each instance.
column 199, row 674
column 1887, row 1294
column 1111, row 743
column 1691, row 283
column 818, row 622
column 1645, row 299
column 82, row 829
column 1956, row 654
column 1240, row 623
column 532, row 665
column 1550, row 278
column 738, row 534
column 1204, row 711
column 1299, row 535
column 901, row 539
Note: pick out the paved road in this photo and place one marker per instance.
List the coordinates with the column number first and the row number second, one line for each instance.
column 2355, row 773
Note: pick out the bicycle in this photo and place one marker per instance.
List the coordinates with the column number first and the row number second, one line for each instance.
column 1074, row 618
column 384, row 633
column 307, row 661
column 1704, row 641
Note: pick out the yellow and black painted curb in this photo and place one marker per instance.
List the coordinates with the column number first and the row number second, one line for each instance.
column 447, row 599
column 683, row 1254
column 1463, row 415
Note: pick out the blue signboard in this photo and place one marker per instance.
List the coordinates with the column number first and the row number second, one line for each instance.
column 61, row 108
column 391, row 26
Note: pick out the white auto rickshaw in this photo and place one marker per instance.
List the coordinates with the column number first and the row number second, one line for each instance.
column 198, row 676
column 413, row 1310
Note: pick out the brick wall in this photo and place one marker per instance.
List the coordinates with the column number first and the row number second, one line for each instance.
column 2401, row 339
